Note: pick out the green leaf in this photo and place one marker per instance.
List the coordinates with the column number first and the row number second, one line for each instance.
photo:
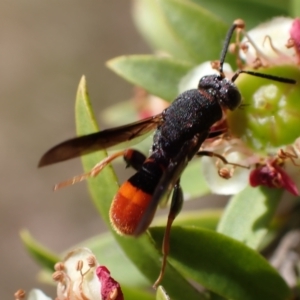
column 230, row 10
column 103, row 188
column 86, row 123
column 223, row 265
column 214, row 296
column 134, row 294
column 161, row 294
column 159, row 76
column 43, row 256
column 278, row 4
column 199, row 31
column 199, row 218
column 248, row 215
column 150, row 21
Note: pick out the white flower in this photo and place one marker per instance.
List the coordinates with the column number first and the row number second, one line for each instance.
column 79, row 277
column 238, row 177
column 76, row 276
column 34, row 294
column 273, row 42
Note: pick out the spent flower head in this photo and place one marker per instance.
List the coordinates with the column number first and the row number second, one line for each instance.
column 79, row 277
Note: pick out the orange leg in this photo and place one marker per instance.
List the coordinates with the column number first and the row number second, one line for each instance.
column 176, row 205
column 132, row 157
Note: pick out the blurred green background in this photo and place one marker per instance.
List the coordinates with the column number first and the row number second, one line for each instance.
column 45, row 47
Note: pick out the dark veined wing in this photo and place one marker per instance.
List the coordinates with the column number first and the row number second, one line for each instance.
column 170, row 177
column 99, row 140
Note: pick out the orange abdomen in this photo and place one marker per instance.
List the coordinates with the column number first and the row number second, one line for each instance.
column 133, row 198
column 128, row 207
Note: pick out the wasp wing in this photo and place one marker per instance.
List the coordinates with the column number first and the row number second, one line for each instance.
column 170, row 177
column 99, row 140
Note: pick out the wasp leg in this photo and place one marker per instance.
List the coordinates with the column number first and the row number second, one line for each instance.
column 175, row 208
column 222, row 158
column 132, row 157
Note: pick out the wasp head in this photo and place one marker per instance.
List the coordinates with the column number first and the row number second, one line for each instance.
column 221, row 89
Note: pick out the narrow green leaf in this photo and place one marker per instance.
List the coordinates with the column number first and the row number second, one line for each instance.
column 43, row 256
column 86, row 123
column 199, row 31
column 103, row 188
column 248, row 215
column 223, row 265
column 158, row 75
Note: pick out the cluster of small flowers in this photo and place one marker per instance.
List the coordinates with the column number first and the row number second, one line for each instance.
column 274, row 43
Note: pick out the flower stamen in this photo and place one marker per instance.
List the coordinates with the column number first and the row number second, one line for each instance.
column 59, row 266
column 226, row 173
column 20, row 294
column 91, row 260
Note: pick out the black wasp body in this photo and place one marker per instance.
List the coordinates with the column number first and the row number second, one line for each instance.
column 193, row 113
column 185, row 125
column 180, row 131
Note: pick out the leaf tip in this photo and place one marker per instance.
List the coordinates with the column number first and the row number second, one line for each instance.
column 25, row 236
column 111, row 63
column 82, row 87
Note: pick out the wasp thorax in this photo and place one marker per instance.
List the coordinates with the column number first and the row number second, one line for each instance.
column 223, row 89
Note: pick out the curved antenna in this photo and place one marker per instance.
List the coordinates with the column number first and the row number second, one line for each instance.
column 262, row 75
column 240, row 24
column 237, row 24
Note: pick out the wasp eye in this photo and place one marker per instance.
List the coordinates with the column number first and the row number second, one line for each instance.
column 230, row 97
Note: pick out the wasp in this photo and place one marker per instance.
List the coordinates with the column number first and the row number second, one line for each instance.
column 180, row 131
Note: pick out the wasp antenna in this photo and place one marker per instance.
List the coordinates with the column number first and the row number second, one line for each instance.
column 237, row 24
column 262, row 75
